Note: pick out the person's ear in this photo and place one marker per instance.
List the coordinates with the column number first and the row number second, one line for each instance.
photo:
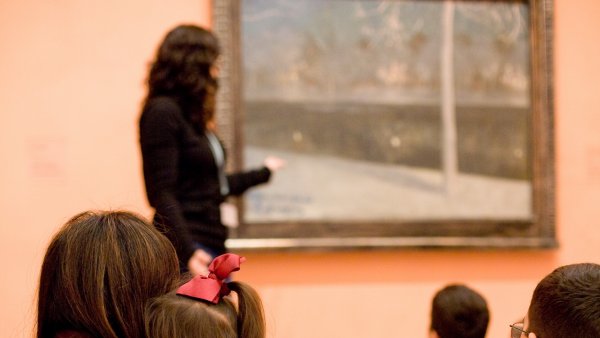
column 531, row 335
column 433, row 334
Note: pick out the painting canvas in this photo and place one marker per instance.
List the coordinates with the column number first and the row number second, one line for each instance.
column 389, row 112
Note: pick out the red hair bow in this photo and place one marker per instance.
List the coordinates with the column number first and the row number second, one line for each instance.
column 212, row 287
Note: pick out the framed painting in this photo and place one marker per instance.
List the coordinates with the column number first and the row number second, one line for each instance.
column 403, row 123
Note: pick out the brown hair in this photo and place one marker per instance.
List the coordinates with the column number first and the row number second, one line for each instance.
column 181, row 69
column 98, row 273
column 174, row 316
column 566, row 303
column 458, row 311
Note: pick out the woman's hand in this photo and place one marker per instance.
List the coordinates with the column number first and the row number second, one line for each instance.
column 274, row 163
column 198, row 263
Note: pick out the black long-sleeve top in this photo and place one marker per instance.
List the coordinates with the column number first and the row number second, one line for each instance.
column 181, row 178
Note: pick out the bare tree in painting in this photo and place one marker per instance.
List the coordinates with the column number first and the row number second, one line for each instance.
column 502, row 29
column 385, row 39
column 449, row 146
column 509, row 25
column 310, row 62
column 503, row 26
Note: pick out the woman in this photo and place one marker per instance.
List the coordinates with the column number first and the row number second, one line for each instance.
column 98, row 273
column 182, row 157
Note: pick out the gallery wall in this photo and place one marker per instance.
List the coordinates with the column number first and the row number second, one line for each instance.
column 70, row 88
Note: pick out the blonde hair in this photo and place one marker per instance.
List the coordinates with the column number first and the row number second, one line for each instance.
column 99, row 271
column 175, row 316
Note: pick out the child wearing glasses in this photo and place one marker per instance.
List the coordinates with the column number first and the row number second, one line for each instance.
column 208, row 307
column 458, row 311
column 566, row 303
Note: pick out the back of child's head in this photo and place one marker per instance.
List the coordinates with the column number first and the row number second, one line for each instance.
column 99, row 271
column 208, row 307
column 174, row 316
column 566, row 303
column 459, row 312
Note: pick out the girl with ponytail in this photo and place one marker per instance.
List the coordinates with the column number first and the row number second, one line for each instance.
column 208, row 307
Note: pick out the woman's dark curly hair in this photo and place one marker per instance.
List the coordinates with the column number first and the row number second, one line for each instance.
column 182, row 70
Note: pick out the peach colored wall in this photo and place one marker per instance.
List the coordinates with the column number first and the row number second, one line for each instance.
column 71, row 82
column 70, row 87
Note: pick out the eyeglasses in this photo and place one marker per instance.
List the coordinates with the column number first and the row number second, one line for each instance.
column 516, row 330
